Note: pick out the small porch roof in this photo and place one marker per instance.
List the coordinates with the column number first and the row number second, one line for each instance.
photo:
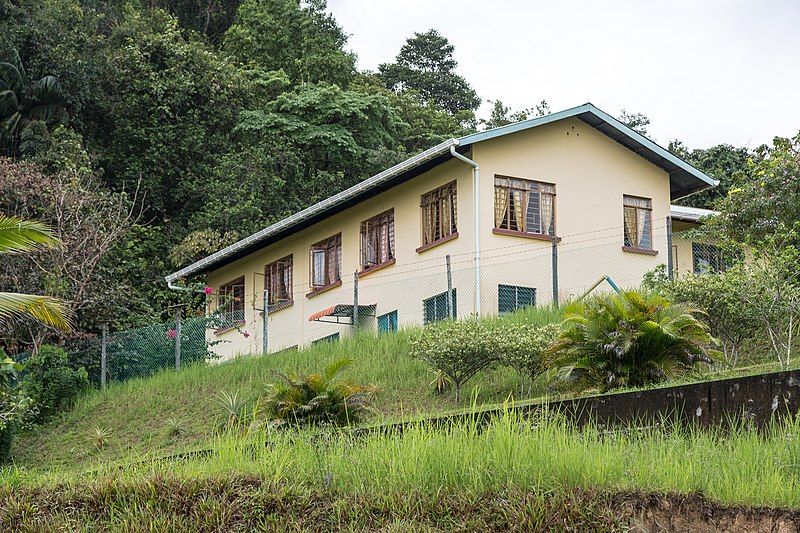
column 339, row 311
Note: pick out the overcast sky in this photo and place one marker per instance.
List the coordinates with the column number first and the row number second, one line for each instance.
column 705, row 72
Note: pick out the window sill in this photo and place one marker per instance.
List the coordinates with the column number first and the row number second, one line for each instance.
column 634, row 250
column 437, row 242
column 278, row 306
column 534, row 236
column 373, row 268
column 320, row 290
column 229, row 327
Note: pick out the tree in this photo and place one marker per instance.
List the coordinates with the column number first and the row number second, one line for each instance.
column 23, row 101
column 212, row 18
column 18, row 235
column 764, row 198
column 425, row 65
column 88, row 221
column 502, row 114
column 459, row 350
column 635, row 121
column 300, row 38
column 723, row 162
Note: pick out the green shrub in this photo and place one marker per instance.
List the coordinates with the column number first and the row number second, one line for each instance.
column 732, row 304
column 630, row 339
column 51, row 383
column 522, row 346
column 457, row 349
column 14, row 406
column 314, row 399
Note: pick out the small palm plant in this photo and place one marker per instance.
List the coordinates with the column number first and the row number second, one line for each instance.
column 99, row 437
column 630, row 339
column 233, row 409
column 313, row 399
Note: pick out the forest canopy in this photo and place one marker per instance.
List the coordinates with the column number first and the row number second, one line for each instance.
column 150, row 133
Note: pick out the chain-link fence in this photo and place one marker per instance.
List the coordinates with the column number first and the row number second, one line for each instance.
column 513, row 273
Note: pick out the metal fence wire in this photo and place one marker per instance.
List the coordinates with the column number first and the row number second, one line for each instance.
column 141, row 352
column 517, row 274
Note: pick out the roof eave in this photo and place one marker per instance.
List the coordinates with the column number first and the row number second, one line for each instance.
column 409, row 164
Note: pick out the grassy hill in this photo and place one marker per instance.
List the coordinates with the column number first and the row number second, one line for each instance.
column 138, row 415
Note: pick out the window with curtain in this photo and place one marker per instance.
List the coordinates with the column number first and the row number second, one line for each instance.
column 231, row 303
column 377, row 240
column 526, row 206
column 326, row 262
column 278, row 281
column 637, row 213
column 439, row 214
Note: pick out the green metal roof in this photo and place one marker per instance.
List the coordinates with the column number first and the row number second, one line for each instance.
column 684, row 178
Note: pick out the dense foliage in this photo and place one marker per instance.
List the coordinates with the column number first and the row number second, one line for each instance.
column 50, row 382
column 630, row 339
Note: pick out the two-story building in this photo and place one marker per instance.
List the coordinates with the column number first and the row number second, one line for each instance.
column 525, row 214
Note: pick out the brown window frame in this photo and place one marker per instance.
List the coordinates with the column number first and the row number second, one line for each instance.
column 432, row 206
column 505, row 221
column 332, row 265
column 629, row 205
column 383, row 242
column 230, row 305
column 279, row 294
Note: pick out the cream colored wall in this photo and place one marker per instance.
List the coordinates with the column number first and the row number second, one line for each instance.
column 591, row 173
column 400, row 287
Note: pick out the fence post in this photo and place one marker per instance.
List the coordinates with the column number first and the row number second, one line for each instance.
column 355, row 299
column 265, row 316
column 669, row 248
column 103, row 369
column 555, row 273
column 178, row 338
column 450, row 310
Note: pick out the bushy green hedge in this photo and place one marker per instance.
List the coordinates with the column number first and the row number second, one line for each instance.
column 51, row 383
column 461, row 349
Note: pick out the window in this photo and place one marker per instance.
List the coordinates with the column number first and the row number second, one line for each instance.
column 328, row 338
column 231, row 303
column 707, row 259
column 439, row 214
column 524, row 206
column 326, row 262
column 637, row 213
column 511, row 298
column 278, row 281
column 377, row 240
column 387, row 323
column 435, row 307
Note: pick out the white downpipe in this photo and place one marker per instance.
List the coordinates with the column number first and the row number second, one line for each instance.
column 476, row 197
column 171, row 285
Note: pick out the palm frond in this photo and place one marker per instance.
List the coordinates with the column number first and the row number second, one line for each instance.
column 12, row 77
column 337, row 366
column 19, row 235
column 45, row 309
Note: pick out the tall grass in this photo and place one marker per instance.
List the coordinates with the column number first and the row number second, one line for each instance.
column 135, row 412
column 546, row 453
